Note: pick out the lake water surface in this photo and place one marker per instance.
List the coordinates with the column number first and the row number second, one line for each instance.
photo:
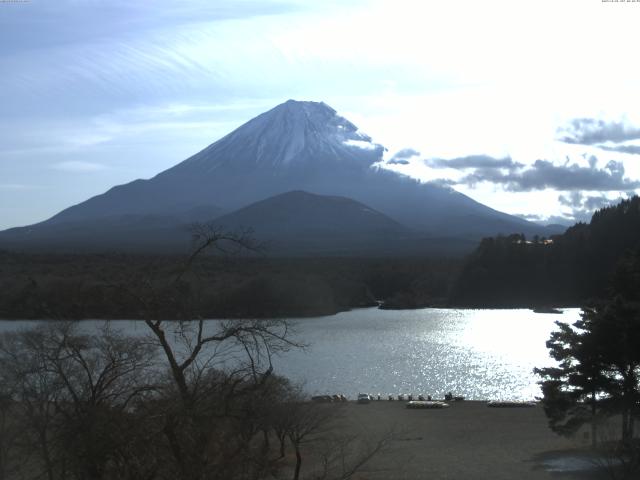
column 480, row 354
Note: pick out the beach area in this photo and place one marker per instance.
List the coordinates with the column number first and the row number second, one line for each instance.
column 467, row 441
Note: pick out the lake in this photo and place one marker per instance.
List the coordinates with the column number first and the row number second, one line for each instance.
column 480, row 354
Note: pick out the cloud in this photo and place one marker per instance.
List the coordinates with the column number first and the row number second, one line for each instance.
column 78, row 167
column 578, row 206
column 443, row 182
column 67, row 21
column 403, row 156
column 548, row 220
column 474, row 161
column 530, row 216
column 583, row 206
column 579, row 200
column 542, row 175
column 590, row 131
column 560, row 220
column 363, row 144
column 630, row 149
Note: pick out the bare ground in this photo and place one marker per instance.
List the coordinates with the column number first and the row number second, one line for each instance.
column 466, row 441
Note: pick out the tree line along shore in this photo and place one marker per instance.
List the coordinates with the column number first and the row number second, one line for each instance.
column 502, row 272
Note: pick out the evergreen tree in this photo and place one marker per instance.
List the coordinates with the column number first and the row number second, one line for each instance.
column 615, row 328
column 571, row 391
column 598, row 372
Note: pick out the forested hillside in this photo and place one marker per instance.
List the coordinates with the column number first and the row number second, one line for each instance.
column 567, row 269
column 90, row 286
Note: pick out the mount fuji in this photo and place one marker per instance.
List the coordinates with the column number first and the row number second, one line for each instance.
column 303, row 149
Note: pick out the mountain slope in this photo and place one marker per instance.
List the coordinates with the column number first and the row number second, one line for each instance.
column 297, row 212
column 295, row 146
column 301, row 222
column 137, row 232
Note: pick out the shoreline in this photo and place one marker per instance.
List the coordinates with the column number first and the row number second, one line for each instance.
column 551, row 311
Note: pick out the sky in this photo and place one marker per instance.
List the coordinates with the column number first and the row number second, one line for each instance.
column 530, row 107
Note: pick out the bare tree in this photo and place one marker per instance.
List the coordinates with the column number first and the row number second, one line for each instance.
column 215, row 367
column 72, row 392
column 9, row 432
column 342, row 456
column 315, row 429
column 307, row 419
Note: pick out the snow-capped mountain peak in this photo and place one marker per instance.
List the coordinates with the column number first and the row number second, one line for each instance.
column 293, row 134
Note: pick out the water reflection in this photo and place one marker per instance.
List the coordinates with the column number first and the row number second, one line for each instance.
column 481, row 354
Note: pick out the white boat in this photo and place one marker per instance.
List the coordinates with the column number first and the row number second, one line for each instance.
column 426, row 404
column 510, row 404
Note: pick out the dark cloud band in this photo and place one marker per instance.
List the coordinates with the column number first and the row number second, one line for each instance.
column 601, row 134
column 474, row 161
column 542, row 175
column 630, row 149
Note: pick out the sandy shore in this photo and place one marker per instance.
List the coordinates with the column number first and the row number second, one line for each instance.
column 466, row 441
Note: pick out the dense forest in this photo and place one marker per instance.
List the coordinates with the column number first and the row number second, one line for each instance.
column 90, row 286
column 567, row 269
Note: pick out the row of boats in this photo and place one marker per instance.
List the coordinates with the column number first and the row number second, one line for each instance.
column 419, row 401
column 366, row 398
